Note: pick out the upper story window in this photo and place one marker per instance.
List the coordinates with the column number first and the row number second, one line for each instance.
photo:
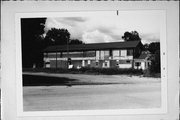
column 128, row 61
column 103, row 54
column 71, row 54
column 53, row 55
column 110, row 53
column 106, row 53
column 123, row 53
column 89, row 54
column 116, row 53
column 129, row 52
column 105, row 64
column 119, row 53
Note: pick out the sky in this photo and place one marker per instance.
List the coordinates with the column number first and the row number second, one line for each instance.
column 98, row 29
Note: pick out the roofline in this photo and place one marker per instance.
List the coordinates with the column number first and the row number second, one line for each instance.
column 83, row 47
column 88, row 50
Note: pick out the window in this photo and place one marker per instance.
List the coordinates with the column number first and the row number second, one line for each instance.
column 61, row 55
column 137, row 64
column 117, row 62
column 102, row 54
column 89, row 62
column 106, row 53
column 105, row 64
column 128, row 61
column 115, row 53
column 129, row 52
column 97, row 54
column 97, row 63
column 90, row 54
column 123, row 53
column 110, row 53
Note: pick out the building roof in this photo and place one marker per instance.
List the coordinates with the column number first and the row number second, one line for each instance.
column 94, row 46
column 144, row 56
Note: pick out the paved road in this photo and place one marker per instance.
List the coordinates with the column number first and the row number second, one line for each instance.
column 89, row 97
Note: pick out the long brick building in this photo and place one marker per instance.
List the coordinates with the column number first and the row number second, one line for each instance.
column 103, row 55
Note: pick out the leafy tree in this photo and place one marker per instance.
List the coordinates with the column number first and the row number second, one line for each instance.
column 155, row 63
column 153, row 47
column 146, row 47
column 127, row 36
column 57, row 37
column 75, row 42
column 131, row 36
column 31, row 32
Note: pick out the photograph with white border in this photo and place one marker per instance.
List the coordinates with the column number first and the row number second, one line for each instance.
column 91, row 63
column 13, row 94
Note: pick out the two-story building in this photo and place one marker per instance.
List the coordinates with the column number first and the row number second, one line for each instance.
column 102, row 55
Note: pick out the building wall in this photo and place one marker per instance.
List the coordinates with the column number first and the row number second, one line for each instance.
column 122, row 54
column 100, row 58
column 76, row 63
column 125, row 65
column 142, row 64
column 113, row 64
column 59, row 64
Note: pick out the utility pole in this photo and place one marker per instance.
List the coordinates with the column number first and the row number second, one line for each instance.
column 67, row 53
column 56, row 58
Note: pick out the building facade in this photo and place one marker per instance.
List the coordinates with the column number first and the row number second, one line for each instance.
column 101, row 55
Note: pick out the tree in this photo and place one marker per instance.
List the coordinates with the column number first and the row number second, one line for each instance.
column 32, row 30
column 153, row 47
column 131, row 36
column 75, row 42
column 127, row 36
column 155, row 63
column 146, row 47
column 57, row 37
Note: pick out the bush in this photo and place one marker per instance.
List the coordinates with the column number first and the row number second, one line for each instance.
column 155, row 63
column 88, row 70
column 111, row 71
column 149, row 73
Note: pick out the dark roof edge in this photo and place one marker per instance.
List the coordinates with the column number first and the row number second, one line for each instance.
column 94, row 46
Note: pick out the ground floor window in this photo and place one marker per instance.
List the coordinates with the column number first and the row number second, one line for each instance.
column 137, row 64
column 97, row 63
column 105, row 64
column 128, row 61
column 89, row 62
column 47, row 62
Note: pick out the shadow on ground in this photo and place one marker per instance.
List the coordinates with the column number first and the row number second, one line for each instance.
column 38, row 80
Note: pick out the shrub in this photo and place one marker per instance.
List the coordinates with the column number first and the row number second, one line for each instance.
column 149, row 73
column 88, row 70
column 155, row 63
column 111, row 71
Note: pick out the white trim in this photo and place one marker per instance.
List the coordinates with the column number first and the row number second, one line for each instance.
column 125, row 65
column 123, row 58
column 78, row 58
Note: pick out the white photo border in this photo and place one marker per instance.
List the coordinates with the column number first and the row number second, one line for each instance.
column 163, row 44
column 9, row 50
